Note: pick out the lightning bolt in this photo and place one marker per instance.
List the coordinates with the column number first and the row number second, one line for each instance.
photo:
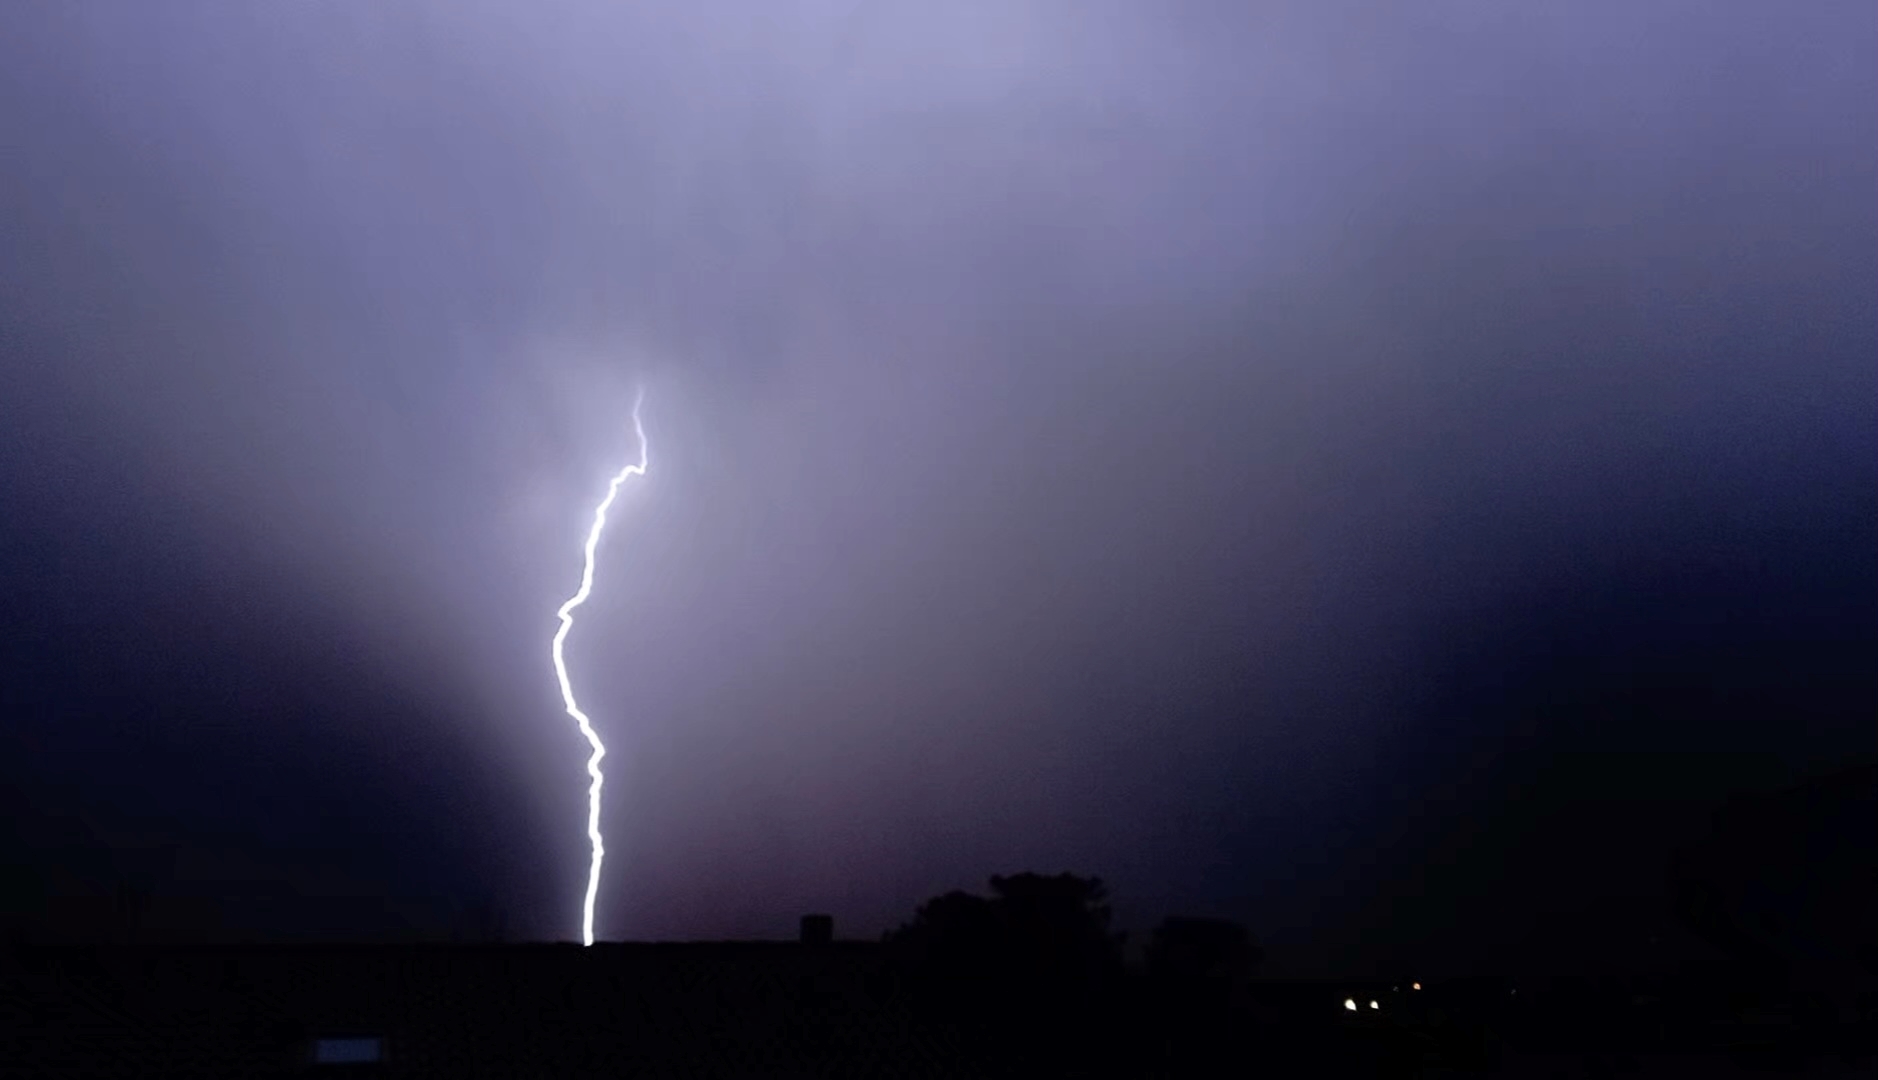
column 567, row 688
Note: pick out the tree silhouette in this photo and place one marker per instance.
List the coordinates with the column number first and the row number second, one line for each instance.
column 1214, row 953
column 1057, row 927
column 1197, row 970
column 1038, row 949
column 952, row 937
column 1033, row 966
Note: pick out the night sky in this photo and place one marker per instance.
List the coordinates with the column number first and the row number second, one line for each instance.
column 1378, row 472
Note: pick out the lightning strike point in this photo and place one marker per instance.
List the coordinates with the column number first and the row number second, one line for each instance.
column 567, row 687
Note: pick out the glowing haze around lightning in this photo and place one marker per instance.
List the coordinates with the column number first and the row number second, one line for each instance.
column 567, row 687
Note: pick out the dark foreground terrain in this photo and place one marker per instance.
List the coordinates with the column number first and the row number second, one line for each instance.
column 841, row 1009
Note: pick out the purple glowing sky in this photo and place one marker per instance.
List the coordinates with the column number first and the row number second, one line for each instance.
column 1216, row 446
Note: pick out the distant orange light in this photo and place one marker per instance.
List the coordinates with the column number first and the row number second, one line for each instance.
column 1415, row 986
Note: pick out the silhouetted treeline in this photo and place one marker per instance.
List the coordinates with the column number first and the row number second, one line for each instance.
column 1027, row 980
column 1034, row 966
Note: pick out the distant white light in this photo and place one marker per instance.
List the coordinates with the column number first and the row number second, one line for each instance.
column 1415, row 986
column 1373, row 1005
column 1350, row 1004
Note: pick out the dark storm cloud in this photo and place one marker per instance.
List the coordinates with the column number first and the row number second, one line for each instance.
column 1151, row 439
